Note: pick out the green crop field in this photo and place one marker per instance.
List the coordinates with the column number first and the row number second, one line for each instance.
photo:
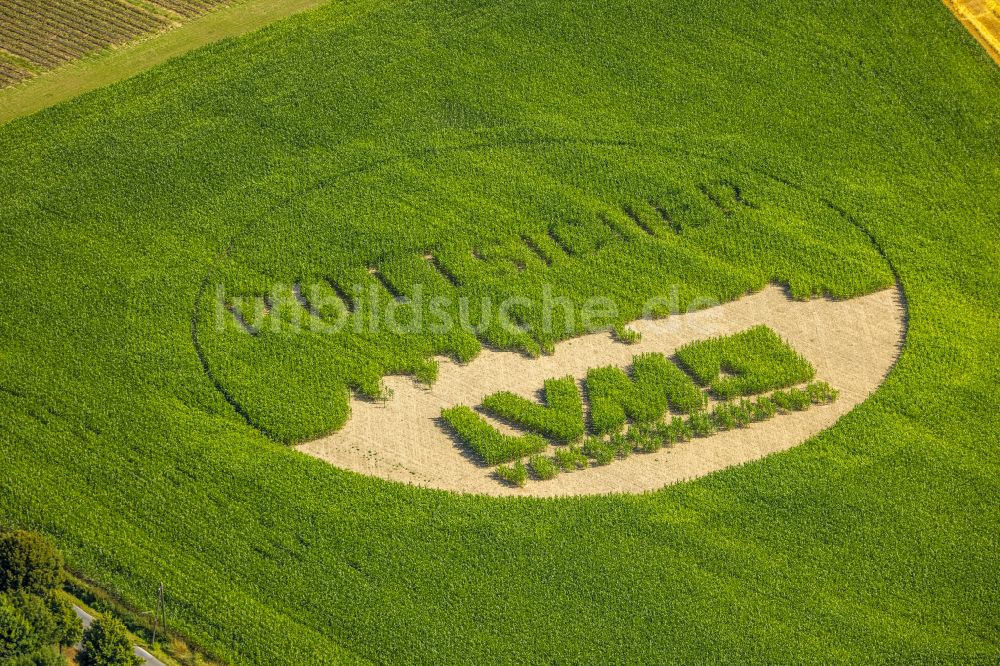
column 198, row 263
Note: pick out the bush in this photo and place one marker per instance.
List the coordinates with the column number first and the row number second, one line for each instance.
column 763, row 408
column 601, row 452
column 680, row 430
column 792, row 400
column 561, row 419
column 821, row 393
column 33, row 619
column 642, row 439
column 643, row 398
column 29, row 563
column 621, row 445
column 664, row 434
column 755, row 360
column 543, row 468
column 571, row 458
column 701, row 424
column 626, row 335
column 515, row 475
column 106, row 643
column 47, row 656
column 723, row 418
column 742, row 413
column 491, row 445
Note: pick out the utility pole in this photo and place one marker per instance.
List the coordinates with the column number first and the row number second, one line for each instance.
column 159, row 612
column 163, row 610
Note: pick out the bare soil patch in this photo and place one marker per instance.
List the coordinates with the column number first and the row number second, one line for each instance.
column 852, row 344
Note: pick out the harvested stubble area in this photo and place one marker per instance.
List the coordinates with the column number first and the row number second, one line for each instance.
column 851, row 343
column 37, row 35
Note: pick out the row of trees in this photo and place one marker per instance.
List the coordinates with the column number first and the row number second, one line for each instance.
column 36, row 622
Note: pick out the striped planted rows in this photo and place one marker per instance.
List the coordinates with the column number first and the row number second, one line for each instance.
column 47, row 33
column 11, row 73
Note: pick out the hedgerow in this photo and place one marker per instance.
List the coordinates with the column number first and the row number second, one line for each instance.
column 656, row 383
column 491, row 445
column 755, row 361
column 561, row 419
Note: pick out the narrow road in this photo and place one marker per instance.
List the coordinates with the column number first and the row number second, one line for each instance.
column 147, row 658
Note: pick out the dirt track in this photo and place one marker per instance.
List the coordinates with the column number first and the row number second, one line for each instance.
column 852, row 344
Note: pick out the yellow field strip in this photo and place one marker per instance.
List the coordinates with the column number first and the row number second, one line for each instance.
column 982, row 19
column 96, row 71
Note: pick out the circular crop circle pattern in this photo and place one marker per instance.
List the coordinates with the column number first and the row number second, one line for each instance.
column 548, row 318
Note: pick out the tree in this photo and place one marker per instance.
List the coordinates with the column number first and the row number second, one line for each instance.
column 69, row 627
column 36, row 612
column 34, row 621
column 106, row 643
column 15, row 631
column 48, row 656
column 28, row 563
